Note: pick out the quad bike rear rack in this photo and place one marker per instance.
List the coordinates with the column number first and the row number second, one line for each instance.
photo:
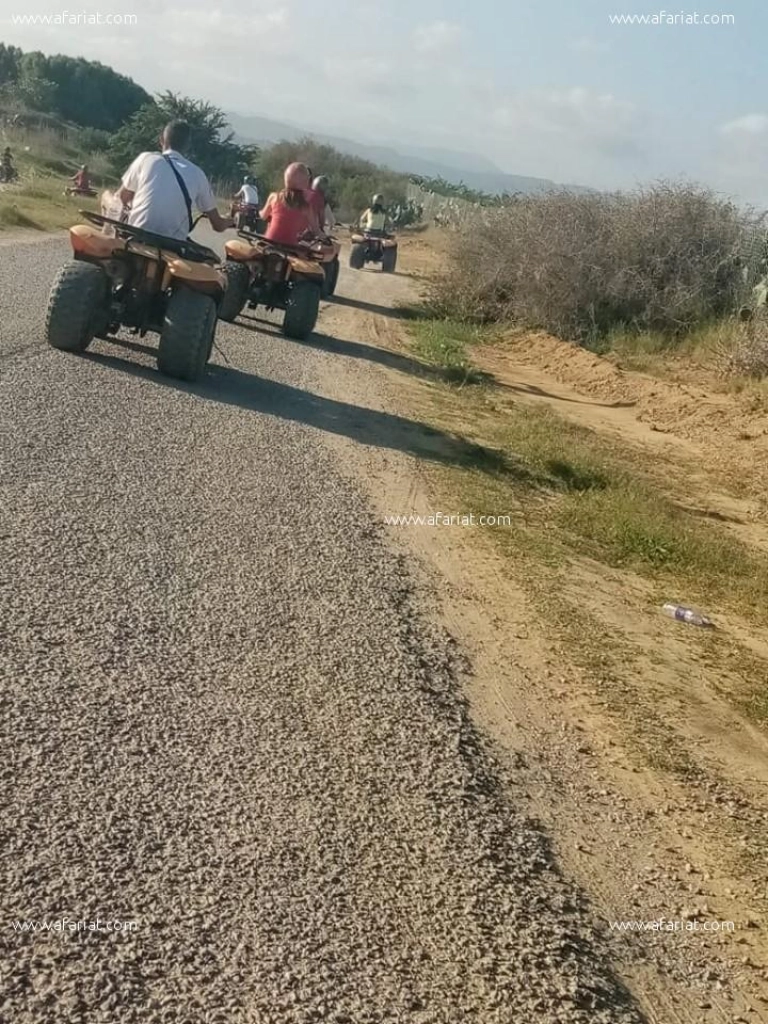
column 185, row 248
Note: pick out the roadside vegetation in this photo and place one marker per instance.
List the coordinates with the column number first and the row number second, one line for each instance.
column 60, row 112
column 650, row 270
column 450, row 190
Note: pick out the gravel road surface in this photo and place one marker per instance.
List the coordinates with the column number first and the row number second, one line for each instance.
column 236, row 759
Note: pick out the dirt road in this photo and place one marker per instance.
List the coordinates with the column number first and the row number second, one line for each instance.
column 240, row 782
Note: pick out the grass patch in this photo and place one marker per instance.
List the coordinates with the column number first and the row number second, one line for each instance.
column 585, row 496
column 12, row 217
column 447, row 344
column 706, row 347
column 38, row 203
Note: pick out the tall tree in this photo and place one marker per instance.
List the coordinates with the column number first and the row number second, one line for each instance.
column 211, row 146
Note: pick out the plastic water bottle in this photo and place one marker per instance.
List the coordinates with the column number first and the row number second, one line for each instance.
column 684, row 614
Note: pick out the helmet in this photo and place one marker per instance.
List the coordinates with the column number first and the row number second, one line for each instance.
column 378, row 199
column 321, row 183
column 247, row 179
column 296, row 177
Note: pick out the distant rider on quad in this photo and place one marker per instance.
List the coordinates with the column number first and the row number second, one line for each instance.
column 8, row 170
column 290, row 213
column 375, row 219
column 82, row 180
column 162, row 188
column 318, row 197
column 248, row 194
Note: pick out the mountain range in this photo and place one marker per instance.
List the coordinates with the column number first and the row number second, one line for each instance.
column 455, row 166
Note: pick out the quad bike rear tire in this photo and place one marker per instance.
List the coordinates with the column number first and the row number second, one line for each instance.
column 234, row 298
column 331, row 271
column 186, row 339
column 389, row 259
column 357, row 255
column 301, row 310
column 78, row 306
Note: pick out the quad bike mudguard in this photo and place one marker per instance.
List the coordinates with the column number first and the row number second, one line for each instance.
column 199, row 276
column 88, row 241
column 306, row 268
column 241, row 251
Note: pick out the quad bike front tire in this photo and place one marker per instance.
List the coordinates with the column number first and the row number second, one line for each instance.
column 234, row 298
column 357, row 255
column 187, row 336
column 301, row 310
column 389, row 259
column 78, row 306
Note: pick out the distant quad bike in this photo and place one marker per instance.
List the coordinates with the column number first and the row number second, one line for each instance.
column 246, row 217
column 263, row 273
column 146, row 282
column 73, row 190
column 329, row 248
column 373, row 247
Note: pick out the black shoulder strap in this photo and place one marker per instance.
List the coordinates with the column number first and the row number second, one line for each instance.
column 184, row 190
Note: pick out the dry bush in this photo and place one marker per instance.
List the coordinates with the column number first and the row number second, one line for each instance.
column 749, row 357
column 663, row 258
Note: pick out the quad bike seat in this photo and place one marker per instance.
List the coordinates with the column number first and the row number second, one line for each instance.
column 185, row 248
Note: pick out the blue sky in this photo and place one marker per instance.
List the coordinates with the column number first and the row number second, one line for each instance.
column 553, row 90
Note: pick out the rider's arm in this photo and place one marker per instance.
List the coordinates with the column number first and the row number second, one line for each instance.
column 130, row 181
column 266, row 213
column 218, row 223
column 205, row 201
column 313, row 219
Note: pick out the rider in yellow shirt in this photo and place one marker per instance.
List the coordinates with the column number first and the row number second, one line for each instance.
column 375, row 217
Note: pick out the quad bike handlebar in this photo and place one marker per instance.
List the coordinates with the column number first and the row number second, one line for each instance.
column 292, row 250
column 185, row 248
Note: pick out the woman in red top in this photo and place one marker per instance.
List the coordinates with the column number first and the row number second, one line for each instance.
column 289, row 212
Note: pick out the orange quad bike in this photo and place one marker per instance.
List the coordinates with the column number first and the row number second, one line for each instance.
column 246, row 216
column 146, row 282
column 264, row 273
column 373, row 247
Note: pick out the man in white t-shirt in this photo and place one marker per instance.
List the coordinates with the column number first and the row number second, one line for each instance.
column 248, row 193
column 161, row 189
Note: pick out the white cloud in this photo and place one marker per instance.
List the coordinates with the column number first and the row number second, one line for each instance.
column 588, row 45
column 565, row 112
column 749, row 124
column 436, row 37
